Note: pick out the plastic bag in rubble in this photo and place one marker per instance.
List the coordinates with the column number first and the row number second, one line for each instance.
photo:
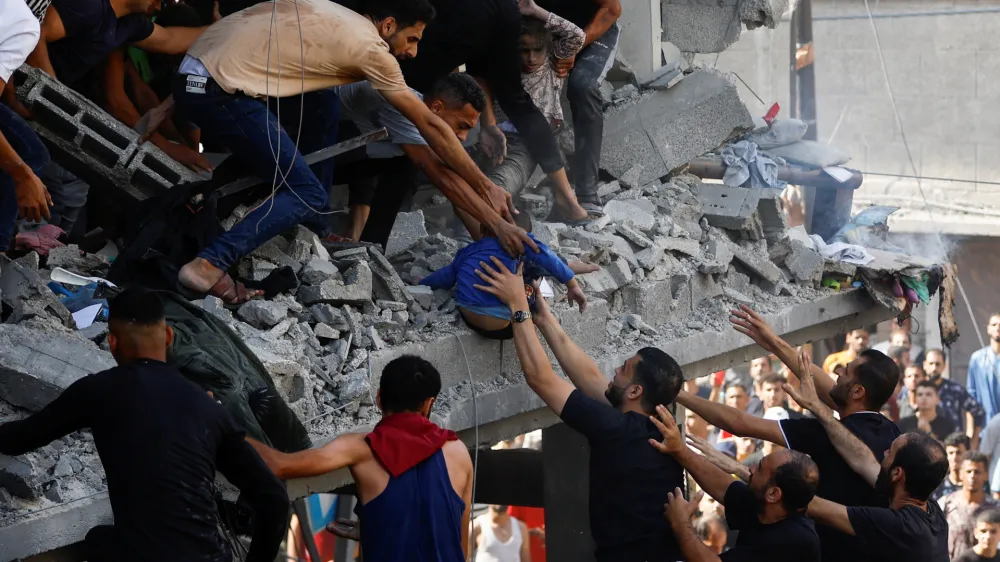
column 868, row 228
column 780, row 133
column 811, row 153
column 745, row 163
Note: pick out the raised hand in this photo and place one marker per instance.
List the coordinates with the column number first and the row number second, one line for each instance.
column 672, row 441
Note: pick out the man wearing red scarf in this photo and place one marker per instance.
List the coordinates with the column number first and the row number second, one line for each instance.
column 414, row 478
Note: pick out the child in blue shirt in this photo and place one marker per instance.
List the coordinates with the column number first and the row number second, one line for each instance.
column 483, row 312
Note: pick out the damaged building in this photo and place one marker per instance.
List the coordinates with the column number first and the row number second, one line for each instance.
column 676, row 253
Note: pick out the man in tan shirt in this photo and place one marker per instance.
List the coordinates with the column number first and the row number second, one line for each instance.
column 295, row 52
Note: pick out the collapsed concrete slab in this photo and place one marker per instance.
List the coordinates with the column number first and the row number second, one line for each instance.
column 712, row 26
column 36, row 367
column 664, row 130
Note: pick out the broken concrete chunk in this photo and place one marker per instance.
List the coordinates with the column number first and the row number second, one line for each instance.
column 805, row 264
column 18, row 478
column 360, row 251
column 621, row 211
column 737, row 296
column 73, row 259
column 373, row 335
column 36, row 367
column 548, row 233
column 31, row 261
column 758, row 264
column 327, row 314
column 624, row 94
column 701, row 27
column 717, row 256
column 667, row 77
column 389, row 282
column 300, row 251
column 731, row 208
column 682, row 245
column 318, row 270
column 325, row 332
column 28, row 295
column 355, row 386
column 650, row 257
column 262, row 313
column 636, row 322
column 274, row 251
column 423, row 295
column 634, row 236
column 356, row 288
column 598, row 224
column 608, row 189
column 703, row 287
column 631, row 179
column 589, row 240
column 408, row 229
column 394, row 306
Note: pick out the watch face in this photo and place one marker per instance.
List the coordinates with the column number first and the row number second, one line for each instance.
column 520, row 316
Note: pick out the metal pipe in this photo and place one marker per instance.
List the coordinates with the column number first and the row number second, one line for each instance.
column 713, row 168
column 895, row 15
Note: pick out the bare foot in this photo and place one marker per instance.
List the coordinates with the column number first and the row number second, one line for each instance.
column 580, row 268
column 199, row 275
column 571, row 211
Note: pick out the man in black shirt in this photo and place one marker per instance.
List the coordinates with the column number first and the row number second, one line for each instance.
column 161, row 439
column 769, row 513
column 858, row 396
column 586, row 71
column 912, row 527
column 629, row 480
column 925, row 418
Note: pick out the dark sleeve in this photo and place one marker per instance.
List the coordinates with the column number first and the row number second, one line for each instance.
column 64, row 415
column 972, row 406
column 879, row 528
column 595, row 420
column 138, row 27
column 550, row 262
column 805, row 435
column 443, row 278
column 243, row 468
column 945, row 427
column 741, row 510
column 79, row 16
column 502, row 70
column 907, row 424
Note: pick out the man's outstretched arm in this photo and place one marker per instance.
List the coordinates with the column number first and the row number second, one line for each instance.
column 732, row 420
column 712, row 479
column 509, row 288
column 856, row 453
column 340, row 453
column 747, row 322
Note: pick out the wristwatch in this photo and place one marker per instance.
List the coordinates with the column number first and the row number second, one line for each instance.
column 520, row 316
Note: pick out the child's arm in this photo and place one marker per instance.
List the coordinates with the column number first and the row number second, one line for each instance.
column 568, row 39
column 443, row 278
column 556, row 267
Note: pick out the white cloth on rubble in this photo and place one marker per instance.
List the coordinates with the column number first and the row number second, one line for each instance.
column 745, row 162
column 843, row 252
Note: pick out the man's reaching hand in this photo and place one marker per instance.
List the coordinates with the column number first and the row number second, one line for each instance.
column 502, row 283
column 672, row 442
column 494, row 144
column 514, row 239
column 575, row 294
column 747, row 322
column 679, row 511
column 805, row 395
column 502, row 202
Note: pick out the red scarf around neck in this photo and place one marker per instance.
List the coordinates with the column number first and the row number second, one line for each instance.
column 402, row 441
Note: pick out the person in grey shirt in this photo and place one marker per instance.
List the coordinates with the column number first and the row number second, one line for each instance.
column 389, row 168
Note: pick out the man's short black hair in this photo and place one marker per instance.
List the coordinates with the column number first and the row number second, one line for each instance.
column 925, row 463
column 879, row 375
column 940, row 352
column 977, row 457
column 958, row 439
column 737, row 384
column 772, row 378
column 407, row 382
column 136, row 305
column 406, row 12
column 659, row 376
column 927, row 384
column 797, row 477
column 458, row 89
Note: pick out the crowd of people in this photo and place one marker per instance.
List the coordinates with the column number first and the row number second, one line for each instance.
column 877, row 455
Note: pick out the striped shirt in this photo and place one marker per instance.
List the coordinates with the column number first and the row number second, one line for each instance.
column 38, row 8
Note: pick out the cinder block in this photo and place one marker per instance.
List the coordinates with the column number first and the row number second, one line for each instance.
column 703, row 287
column 35, row 367
column 731, row 208
column 657, row 302
column 701, row 27
column 151, row 172
column 667, row 129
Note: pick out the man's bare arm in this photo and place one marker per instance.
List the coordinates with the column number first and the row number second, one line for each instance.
column 52, row 30
column 712, row 479
column 732, row 420
column 607, row 14
column 720, row 459
column 445, row 144
column 856, row 453
column 575, row 362
column 171, row 40
column 830, row 514
column 747, row 322
column 342, row 452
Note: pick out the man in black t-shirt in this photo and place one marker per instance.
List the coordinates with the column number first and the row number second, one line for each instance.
column 629, row 480
column 769, row 513
column 858, row 396
column 926, row 418
column 912, row 527
column 160, row 438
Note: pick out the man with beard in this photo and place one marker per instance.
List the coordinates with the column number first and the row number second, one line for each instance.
column 629, row 481
column 912, row 527
column 768, row 511
column 858, row 395
column 956, row 402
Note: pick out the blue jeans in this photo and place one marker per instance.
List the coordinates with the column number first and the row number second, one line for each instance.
column 29, row 149
column 253, row 133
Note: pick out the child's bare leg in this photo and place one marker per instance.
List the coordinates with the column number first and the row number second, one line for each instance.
column 580, row 268
column 471, row 224
column 359, row 217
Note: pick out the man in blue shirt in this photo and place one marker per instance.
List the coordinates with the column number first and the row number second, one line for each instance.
column 984, row 384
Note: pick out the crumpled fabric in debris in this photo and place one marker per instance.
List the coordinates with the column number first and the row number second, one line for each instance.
column 41, row 239
column 744, row 162
column 841, row 251
column 869, row 228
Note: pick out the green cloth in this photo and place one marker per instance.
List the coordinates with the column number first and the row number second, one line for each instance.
column 918, row 285
column 210, row 354
column 141, row 61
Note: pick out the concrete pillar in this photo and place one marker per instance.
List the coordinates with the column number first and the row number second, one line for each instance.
column 566, row 454
column 641, row 38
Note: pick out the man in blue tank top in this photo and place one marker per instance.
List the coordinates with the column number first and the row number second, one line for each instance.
column 414, row 478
